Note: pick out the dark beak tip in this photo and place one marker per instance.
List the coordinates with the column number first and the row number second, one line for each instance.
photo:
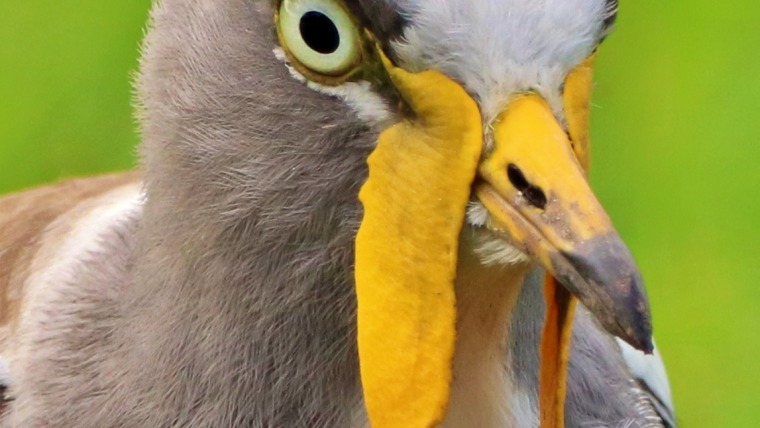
column 628, row 314
column 639, row 335
column 635, row 305
column 611, row 287
column 648, row 347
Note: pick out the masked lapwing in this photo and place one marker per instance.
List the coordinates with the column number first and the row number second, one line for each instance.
column 349, row 213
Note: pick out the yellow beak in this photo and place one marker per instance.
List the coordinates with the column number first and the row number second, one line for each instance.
column 423, row 173
column 537, row 194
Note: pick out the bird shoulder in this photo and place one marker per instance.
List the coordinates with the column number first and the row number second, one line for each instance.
column 25, row 226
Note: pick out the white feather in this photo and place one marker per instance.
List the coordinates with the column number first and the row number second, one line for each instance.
column 58, row 263
column 648, row 369
column 501, row 48
column 5, row 374
column 491, row 249
column 368, row 105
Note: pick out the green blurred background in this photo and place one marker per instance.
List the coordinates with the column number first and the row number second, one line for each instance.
column 675, row 130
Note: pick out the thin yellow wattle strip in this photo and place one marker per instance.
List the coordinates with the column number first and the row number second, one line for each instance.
column 577, row 99
column 406, row 251
column 556, row 339
column 555, row 353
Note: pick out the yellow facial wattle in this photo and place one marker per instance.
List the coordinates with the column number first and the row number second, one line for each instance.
column 414, row 201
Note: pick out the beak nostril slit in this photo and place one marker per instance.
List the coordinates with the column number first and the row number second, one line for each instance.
column 517, row 178
column 532, row 193
column 536, row 197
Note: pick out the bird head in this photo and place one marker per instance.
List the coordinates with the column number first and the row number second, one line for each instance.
column 449, row 115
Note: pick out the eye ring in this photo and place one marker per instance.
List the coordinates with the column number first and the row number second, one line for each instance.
column 320, row 35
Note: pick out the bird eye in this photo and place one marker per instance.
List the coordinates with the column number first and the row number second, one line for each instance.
column 320, row 34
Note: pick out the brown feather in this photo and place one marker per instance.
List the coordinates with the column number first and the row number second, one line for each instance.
column 24, row 221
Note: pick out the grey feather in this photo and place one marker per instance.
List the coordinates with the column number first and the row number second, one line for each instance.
column 241, row 278
column 228, row 300
column 601, row 390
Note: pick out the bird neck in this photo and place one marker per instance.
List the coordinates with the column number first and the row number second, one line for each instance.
column 239, row 312
column 251, row 318
column 486, row 299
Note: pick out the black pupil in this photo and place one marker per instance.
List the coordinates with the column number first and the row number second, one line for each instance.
column 319, row 32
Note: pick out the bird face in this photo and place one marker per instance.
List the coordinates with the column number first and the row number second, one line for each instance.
column 471, row 117
column 528, row 68
column 483, row 108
